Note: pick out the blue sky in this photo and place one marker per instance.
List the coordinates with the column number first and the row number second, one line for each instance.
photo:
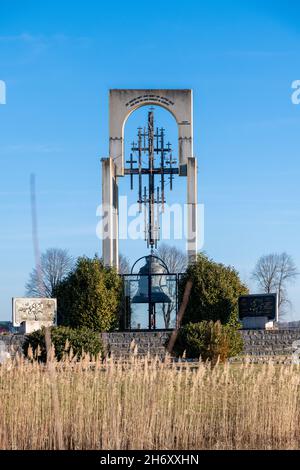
column 59, row 60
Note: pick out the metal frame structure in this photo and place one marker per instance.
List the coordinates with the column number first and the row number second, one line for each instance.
column 152, row 319
column 151, row 142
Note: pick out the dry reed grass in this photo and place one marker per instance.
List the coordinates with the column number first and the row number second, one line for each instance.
column 149, row 404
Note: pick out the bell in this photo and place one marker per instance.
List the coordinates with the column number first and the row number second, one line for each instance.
column 150, row 288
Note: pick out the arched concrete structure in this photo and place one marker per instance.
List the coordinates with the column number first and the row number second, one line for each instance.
column 121, row 104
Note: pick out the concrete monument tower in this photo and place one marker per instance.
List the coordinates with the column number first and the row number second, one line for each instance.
column 121, row 104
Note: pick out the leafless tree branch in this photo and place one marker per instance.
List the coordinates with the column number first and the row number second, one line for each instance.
column 175, row 259
column 124, row 265
column 56, row 263
column 273, row 273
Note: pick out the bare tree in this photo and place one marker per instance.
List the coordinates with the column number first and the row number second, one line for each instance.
column 55, row 264
column 124, row 265
column 175, row 259
column 273, row 273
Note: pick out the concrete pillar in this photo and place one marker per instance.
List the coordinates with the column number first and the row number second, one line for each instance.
column 116, row 151
column 115, row 216
column 191, row 209
column 110, row 214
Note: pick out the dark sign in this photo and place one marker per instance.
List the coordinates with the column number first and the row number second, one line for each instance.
column 260, row 305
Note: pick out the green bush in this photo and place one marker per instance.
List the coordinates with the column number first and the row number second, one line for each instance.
column 215, row 291
column 210, row 340
column 89, row 296
column 80, row 340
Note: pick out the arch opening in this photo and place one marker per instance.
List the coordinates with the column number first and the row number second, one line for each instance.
column 174, row 192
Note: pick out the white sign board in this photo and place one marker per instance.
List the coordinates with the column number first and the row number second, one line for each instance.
column 34, row 309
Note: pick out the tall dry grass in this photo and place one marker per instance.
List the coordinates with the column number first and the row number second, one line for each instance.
column 148, row 404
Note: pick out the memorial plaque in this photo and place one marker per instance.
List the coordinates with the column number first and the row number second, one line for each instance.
column 258, row 305
column 34, row 309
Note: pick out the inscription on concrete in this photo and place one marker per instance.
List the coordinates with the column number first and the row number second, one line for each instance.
column 34, row 309
column 144, row 98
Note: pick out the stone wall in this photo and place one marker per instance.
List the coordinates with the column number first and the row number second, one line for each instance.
column 12, row 343
column 258, row 344
column 143, row 342
column 269, row 342
column 116, row 343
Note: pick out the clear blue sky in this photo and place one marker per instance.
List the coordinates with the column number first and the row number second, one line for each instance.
column 59, row 59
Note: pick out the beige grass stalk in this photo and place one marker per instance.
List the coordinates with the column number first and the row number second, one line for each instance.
column 54, row 391
column 149, row 404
